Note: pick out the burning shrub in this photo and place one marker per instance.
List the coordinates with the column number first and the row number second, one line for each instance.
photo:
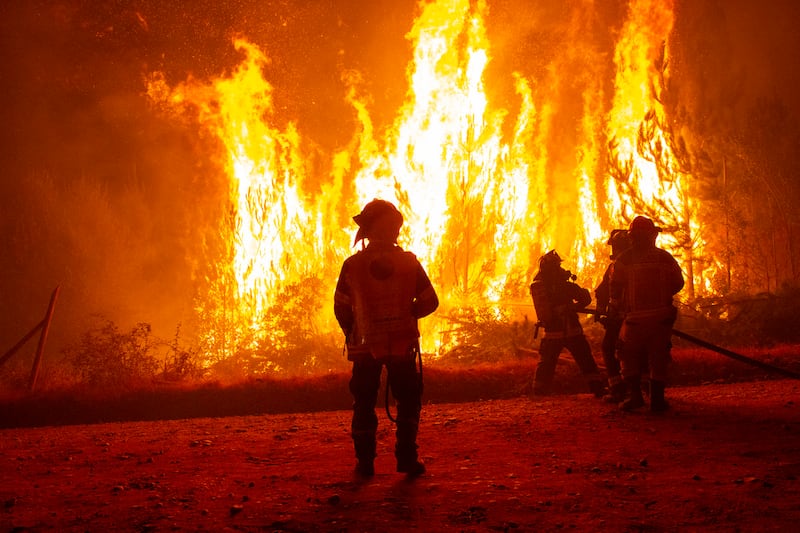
column 289, row 339
column 483, row 335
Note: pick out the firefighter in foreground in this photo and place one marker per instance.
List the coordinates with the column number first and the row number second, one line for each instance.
column 619, row 242
column 644, row 281
column 556, row 300
column 381, row 292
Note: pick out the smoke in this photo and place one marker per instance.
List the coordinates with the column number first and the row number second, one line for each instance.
column 98, row 195
column 733, row 98
column 731, row 55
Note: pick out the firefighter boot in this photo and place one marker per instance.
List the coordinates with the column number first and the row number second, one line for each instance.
column 541, row 389
column 597, row 388
column 636, row 399
column 405, row 450
column 616, row 391
column 364, row 443
column 657, row 402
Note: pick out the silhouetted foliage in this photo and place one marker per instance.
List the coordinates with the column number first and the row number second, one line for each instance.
column 484, row 335
column 14, row 374
column 182, row 363
column 743, row 320
column 105, row 357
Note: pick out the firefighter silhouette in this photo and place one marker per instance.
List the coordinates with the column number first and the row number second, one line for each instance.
column 381, row 292
column 619, row 242
column 556, row 299
column 644, row 281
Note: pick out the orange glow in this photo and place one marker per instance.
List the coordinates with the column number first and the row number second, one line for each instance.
column 481, row 191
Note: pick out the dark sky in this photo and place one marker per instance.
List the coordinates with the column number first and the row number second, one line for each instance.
column 104, row 197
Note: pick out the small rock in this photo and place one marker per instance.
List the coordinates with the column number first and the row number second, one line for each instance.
column 236, row 509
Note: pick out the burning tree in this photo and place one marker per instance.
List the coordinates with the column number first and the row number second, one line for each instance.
column 671, row 204
column 480, row 199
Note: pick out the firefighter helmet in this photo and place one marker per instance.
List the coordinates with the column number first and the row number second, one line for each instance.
column 619, row 240
column 549, row 260
column 642, row 225
column 374, row 211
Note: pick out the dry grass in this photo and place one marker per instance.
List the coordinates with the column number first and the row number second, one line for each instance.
column 443, row 384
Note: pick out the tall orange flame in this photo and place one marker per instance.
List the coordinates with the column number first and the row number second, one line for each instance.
column 480, row 205
column 654, row 181
column 447, row 165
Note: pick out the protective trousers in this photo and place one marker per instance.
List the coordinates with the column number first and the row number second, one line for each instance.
column 549, row 351
column 646, row 344
column 406, row 389
column 609, row 349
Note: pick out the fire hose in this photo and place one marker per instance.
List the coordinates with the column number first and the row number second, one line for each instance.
column 417, row 353
column 720, row 350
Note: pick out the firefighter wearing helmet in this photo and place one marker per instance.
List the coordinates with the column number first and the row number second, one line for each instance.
column 556, row 299
column 644, row 281
column 619, row 242
column 381, row 292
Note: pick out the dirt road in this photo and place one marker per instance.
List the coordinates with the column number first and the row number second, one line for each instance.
column 725, row 458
